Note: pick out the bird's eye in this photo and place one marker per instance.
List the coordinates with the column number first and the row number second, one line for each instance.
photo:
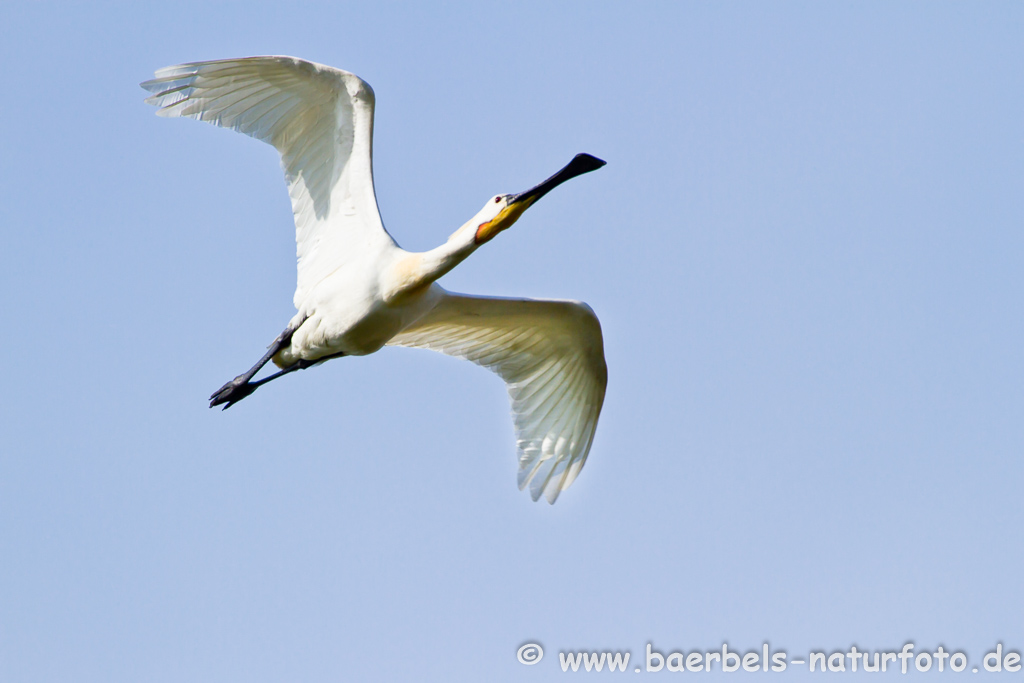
column 497, row 200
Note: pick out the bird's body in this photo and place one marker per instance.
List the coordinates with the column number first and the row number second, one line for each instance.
column 356, row 311
column 358, row 290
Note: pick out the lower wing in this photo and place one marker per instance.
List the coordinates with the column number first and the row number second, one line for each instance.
column 551, row 356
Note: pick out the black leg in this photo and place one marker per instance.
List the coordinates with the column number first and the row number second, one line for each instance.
column 299, row 365
column 240, row 387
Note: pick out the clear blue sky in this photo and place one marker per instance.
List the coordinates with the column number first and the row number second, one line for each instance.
column 806, row 252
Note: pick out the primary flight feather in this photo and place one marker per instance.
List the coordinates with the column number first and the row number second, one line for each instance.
column 358, row 290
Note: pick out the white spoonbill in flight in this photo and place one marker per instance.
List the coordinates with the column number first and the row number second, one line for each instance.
column 358, row 290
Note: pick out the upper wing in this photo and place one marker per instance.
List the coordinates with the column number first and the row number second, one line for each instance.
column 321, row 121
column 551, row 355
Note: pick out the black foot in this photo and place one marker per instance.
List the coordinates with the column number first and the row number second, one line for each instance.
column 232, row 392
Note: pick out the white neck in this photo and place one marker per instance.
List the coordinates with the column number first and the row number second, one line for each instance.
column 440, row 260
column 414, row 272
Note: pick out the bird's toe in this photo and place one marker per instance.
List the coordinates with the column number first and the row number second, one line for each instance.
column 232, row 392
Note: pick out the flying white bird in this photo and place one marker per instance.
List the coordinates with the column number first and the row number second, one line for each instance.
column 358, row 290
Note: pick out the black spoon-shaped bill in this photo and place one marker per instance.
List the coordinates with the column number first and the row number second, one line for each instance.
column 580, row 164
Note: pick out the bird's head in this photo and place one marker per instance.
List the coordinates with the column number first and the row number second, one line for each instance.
column 502, row 211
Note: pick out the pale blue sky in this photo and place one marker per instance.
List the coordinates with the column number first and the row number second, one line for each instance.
column 806, row 253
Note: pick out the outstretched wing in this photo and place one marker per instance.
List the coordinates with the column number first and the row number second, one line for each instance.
column 320, row 119
column 551, row 356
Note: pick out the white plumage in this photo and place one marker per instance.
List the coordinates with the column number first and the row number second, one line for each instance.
column 550, row 355
column 358, row 290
